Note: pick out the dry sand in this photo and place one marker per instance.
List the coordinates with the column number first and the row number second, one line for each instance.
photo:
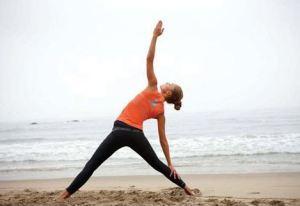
column 272, row 189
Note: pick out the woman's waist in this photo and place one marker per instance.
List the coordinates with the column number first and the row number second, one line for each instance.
column 122, row 125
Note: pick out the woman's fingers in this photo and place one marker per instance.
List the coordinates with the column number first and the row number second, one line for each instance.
column 171, row 173
column 158, row 25
column 175, row 174
column 158, row 30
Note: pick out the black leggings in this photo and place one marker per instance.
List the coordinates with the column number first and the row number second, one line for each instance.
column 117, row 139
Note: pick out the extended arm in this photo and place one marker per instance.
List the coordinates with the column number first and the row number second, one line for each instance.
column 164, row 143
column 152, row 81
column 162, row 137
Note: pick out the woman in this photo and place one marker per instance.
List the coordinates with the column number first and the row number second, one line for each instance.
column 128, row 128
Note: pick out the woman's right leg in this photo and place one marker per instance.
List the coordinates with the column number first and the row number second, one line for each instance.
column 109, row 145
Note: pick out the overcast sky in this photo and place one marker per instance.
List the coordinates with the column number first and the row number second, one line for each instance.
column 86, row 59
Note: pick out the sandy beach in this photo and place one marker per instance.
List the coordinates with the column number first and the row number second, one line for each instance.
column 210, row 189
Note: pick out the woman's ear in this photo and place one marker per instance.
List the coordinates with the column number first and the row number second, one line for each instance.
column 169, row 93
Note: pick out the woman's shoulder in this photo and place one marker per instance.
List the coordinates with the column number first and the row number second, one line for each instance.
column 152, row 92
column 151, row 89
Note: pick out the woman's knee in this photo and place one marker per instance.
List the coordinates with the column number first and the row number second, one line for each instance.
column 158, row 165
column 90, row 166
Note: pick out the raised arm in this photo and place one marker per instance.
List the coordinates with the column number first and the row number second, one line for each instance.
column 158, row 30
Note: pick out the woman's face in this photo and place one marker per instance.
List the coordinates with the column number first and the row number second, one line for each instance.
column 167, row 88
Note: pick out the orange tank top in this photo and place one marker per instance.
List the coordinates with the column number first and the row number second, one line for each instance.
column 145, row 105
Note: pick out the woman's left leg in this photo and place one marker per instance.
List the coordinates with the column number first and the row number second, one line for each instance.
column 140, row 144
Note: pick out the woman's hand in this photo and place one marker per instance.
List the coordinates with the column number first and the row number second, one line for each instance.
column 158, row 30
column 174, row 172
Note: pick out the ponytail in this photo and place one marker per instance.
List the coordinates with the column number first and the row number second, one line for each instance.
column 177, row 105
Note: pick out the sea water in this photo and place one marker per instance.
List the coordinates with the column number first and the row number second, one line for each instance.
column 200, row 143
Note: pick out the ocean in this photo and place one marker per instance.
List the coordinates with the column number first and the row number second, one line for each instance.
column 256, row 141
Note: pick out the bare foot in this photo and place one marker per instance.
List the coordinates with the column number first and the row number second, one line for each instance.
column 188, row 191
column 64, row 195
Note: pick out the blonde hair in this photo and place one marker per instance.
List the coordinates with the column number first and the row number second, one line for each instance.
column 176, row 97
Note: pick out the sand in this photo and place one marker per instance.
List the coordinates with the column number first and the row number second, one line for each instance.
column 272, row 189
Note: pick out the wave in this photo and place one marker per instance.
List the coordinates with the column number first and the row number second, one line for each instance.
column 38, row 169
column 137, row 158
column 238, row 154
column 53, row 140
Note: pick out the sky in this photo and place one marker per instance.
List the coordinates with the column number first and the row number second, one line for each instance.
column 68, row 59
